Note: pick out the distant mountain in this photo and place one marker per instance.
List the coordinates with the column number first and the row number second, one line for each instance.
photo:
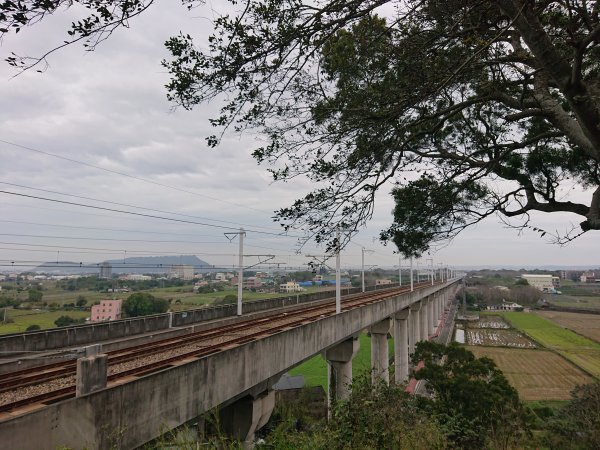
column 157, row 264
column 139, row 264
column 529, row 267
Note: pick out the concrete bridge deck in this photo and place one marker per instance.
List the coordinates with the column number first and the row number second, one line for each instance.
column 141, row 409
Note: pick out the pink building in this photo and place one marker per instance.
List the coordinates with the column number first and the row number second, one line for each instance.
column 107, row 310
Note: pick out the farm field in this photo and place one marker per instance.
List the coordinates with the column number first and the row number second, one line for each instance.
column 490, row 321
column 536, row 374
column 583, row 352
column 494, row 330
column 587, row 325
column 495, row 337
column 45, row 319
column 314, row 370
column 575, row 301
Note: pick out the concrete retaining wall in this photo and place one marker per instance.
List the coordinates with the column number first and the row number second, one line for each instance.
column 82, row 334
column 130, row 414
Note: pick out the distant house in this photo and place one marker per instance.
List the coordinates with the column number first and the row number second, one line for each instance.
column 542, row 303
column 107, row 310
column 382, row 282
column 545, row 283
column 506, row 306
column 252, row 283
column 290, row 286
column 588, row 277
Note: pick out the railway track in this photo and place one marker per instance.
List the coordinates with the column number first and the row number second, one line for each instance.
column 55, row 382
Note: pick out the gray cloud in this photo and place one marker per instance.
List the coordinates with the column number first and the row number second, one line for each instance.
column 108, row 108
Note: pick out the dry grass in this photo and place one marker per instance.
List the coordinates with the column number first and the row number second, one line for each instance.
column 536, row 374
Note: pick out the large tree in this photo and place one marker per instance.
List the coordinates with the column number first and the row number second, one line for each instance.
column 471, row 398
column 468, row 108
column 142, row 304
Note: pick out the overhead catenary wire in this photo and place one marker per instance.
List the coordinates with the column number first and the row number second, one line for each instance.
column 133, row 206
column 151, row 216
column 116, row 172
column 118, row 251
column 76, row 238
column 118, row 230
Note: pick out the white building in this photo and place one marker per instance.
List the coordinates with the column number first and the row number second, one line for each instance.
column 588, row 277
column 136, row 277
column 506, row 306
column 545, row 283
column 182, row 271
column 290, row 286
column 105, row 270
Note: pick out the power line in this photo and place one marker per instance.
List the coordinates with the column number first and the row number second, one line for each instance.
column 102, row 251
column 132, row 206
column 145, row 180
column 119, row 230
column 106, row 239
column 96, row 266
column 141, row 214
column 118, row 250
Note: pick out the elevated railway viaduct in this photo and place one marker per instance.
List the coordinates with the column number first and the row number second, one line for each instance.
column 130, row 396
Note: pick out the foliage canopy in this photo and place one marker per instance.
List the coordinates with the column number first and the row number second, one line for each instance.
column 472, row 399
column 467, row 108
column 142, row 304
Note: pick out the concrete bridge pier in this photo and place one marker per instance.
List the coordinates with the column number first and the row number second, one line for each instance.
column 442, row 306
column 243, row 418
column 339, row 369
column 401, row 320
column 415, row 322
column 424, row 325
column 432, row 314
column 380, row 362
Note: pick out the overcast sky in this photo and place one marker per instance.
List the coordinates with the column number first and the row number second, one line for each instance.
column 109, row 109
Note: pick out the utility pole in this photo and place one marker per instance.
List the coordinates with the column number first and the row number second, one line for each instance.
column 464, row 297
column 432, row 272
column 399, row 269
column 241, row 235
column 363, row 270
column 412, row 285
column 338, row 275
column 363, row 267
column 240, row 272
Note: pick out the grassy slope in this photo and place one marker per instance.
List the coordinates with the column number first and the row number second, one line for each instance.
column 315, row 369
column 581, row 351
column 45, row 319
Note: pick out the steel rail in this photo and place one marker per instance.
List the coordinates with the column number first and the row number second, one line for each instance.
column 143, row 350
